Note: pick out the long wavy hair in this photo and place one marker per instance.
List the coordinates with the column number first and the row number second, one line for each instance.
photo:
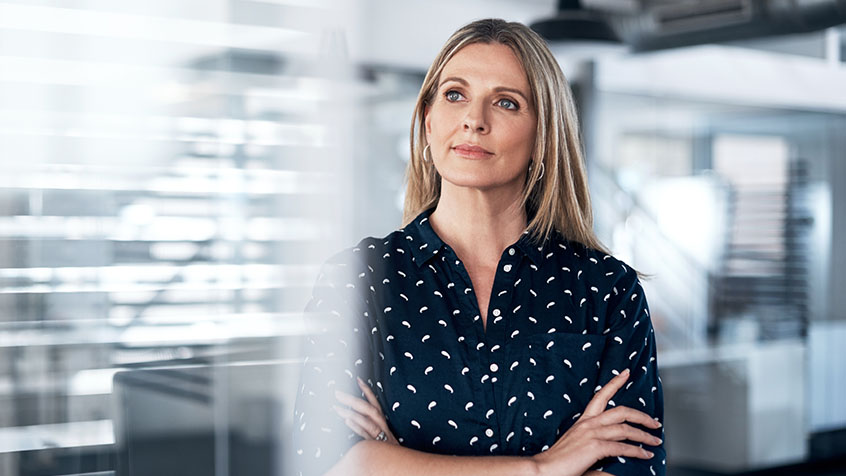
column 559, row 199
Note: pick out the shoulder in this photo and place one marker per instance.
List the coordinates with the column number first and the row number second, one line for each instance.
column 598, row 267
column 612, row 286
column 596, row 261
column 364, row 257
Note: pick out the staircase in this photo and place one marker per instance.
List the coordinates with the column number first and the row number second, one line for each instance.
column 764, row 272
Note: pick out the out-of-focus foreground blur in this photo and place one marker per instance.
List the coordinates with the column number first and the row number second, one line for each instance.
column 172, row 174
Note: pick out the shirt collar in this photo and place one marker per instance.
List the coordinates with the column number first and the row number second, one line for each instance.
column 426, row 244
column 423, row 240
column 530, row 247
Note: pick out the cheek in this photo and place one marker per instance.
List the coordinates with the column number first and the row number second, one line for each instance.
column 443, row 122
column 522, row 139
column 530, row 137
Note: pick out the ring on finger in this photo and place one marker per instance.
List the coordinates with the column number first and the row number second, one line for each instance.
column 381, row 436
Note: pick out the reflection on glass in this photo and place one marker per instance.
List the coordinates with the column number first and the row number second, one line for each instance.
column 163, row 181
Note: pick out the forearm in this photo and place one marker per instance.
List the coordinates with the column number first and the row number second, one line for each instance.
column 373, row 458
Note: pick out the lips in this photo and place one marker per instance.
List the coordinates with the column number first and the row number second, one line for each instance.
column 471, row 151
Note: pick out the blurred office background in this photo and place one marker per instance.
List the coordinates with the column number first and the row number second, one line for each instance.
column 172, row 173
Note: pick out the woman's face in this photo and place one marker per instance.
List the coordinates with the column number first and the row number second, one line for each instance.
column 481, row 124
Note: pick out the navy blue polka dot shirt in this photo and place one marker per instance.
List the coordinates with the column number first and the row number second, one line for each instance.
column 401, row 313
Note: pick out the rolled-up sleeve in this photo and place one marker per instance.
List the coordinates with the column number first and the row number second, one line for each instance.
column 631, row 345
column 336, row 352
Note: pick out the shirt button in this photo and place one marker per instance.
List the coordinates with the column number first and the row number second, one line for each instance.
column 511, row 251
column 507, row 268
column 494, row 367
column 496, row 312
column 489, row 433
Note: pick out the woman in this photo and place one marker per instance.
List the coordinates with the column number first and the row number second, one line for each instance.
column 494, row 334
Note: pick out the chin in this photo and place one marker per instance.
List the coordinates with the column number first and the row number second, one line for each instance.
column 480, row 181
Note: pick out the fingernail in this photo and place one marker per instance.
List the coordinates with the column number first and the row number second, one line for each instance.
column 358, row 379
column 626, row 371
column 659, row 423
column 650, row 454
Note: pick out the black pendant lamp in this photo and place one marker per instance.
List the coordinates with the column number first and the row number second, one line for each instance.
column 574, row 23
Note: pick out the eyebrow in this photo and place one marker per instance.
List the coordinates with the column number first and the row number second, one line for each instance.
column 497, row 89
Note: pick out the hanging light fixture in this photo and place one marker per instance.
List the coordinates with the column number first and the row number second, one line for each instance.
column 575, row 23
column 579, row 33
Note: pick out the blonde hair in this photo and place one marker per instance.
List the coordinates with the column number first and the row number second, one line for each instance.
column 560, row 199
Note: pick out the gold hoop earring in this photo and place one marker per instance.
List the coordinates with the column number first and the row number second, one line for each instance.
column 424, row 153
column 543, row 169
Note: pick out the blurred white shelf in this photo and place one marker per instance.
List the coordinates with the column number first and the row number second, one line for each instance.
column 219, row 34
column 187, row 175
column 168, row 228
column 151, row 127
column 83, row 383
column 223, row 329
column 57, row 435
column 141, row 280
column 162, row 82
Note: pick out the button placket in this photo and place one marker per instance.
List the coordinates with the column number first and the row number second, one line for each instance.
column 468, row 323
column 500, row 303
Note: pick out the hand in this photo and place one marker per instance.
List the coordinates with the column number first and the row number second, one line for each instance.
column 598, row 434
column 364, row 417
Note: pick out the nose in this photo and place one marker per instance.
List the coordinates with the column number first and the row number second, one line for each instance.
column 476, row 119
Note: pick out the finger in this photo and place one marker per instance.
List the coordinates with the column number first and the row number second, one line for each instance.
column 380, row 417
column 361, row 422
column 600, row 400
column 622, row 432
column 612, row 449
column 391, row 438
column 372, row 428
column 368, row 393
column 627, row 414
column 348, row 420
column 355, row 427
column 343, row 412
column 361, row 406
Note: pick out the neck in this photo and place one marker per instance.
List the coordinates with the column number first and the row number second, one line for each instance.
column 478, row 224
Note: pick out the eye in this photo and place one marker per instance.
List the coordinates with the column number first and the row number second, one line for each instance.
column 452, row 95
column 509, row 104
